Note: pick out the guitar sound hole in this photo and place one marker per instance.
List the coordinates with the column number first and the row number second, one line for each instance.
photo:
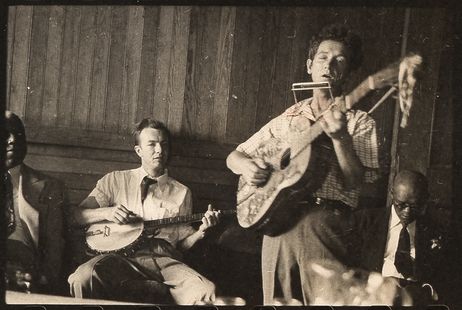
column 285, row 159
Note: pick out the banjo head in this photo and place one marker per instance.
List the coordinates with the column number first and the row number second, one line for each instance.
column 108, row 237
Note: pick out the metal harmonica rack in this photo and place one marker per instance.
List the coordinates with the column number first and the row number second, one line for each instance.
column 310, row 86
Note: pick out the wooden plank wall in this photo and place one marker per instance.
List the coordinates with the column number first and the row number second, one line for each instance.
column 80, row 76
column 426, row 144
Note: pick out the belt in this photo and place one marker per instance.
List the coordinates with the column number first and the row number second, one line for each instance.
column 318, row 201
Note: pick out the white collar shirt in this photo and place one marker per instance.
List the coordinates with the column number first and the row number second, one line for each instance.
column 165, row 198
column 26, row 216
column 394, row 229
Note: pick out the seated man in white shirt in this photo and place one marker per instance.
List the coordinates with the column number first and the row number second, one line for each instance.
column 146, row 193
column 400, row 241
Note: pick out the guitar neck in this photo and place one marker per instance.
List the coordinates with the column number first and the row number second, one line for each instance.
column 350, row 100
column 182, row 219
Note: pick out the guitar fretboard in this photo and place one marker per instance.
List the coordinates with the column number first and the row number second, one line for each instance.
column 182, row 219
column 351, row 99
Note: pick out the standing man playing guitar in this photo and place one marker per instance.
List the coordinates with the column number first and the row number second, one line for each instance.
column 154, row 269
column 319, row 234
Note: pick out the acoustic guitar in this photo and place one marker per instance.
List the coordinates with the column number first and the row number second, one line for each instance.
column 270, row 208
column 109, row 237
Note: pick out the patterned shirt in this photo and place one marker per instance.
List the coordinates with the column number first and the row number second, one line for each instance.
column 295, row 119
column 166, row 198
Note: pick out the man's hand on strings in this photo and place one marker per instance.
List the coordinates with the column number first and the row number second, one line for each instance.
column 333, row 120
column 119, row 214
column 210, row 219
column 256, row 171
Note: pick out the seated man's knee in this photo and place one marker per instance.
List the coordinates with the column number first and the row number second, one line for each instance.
column 80, row 280
column 198, row 290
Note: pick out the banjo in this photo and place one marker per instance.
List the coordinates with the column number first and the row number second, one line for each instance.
column 109, row 237
column 295, row 164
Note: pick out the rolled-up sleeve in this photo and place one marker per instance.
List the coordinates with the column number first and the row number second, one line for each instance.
column 103, row 191
column 271, row 130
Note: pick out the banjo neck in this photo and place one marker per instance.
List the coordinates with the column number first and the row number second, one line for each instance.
column 181, row 219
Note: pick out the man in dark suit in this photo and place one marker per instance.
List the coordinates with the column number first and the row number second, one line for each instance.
column 34, row 206
column 402, row 241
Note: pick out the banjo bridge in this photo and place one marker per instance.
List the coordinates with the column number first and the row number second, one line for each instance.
column 107, row 231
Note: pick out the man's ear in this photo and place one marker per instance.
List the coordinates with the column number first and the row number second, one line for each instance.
column 137, row 149
column 309, row 63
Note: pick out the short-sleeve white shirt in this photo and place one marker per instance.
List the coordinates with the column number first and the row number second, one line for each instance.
column 166, row 198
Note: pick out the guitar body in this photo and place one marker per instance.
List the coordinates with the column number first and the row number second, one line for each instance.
column 297, row 169
column 300, row 164
column 108, row 237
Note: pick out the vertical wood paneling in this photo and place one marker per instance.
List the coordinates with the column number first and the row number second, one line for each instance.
column 283, row 76
column 427, row 25
column 20, row 60
column 68, row 76
column 443, row 127
column 163, row 61
column 10, row 39
column 134, row 39
column 211, row 73
column 223, row 73
column 116, row 68
column 100, row 68
column 148, row 62
column 38, row 56
column 245, row 73
column 299, row 52
column 81, row 104
column 199, row 94
column 177, row 72
column 52, row 66
column 269, row 41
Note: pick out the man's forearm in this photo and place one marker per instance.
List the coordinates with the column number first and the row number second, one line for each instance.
column 83, row 216
column 349, row 162
column 191, row 240
column 234, row 161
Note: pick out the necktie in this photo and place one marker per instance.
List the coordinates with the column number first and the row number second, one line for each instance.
column 9, row 204
column 403, row 259
column 147, row 181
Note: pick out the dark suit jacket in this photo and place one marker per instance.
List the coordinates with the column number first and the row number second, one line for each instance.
column 371, row 229
column 46, row 195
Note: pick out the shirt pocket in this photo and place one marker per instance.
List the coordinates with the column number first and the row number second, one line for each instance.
column 171, row 209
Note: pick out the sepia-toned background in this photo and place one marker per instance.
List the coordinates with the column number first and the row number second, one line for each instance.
column 81, row 76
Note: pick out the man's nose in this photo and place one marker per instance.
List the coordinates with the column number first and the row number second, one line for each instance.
column 407, row 210
column 330, row 63
column 10, row 139
column 158, row 148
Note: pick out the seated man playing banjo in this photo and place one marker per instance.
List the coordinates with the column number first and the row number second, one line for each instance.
column 152, row 268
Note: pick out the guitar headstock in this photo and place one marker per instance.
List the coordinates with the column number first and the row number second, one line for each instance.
column 390, row 75
column 400, row 75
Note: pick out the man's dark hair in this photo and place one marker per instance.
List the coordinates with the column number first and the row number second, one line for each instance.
column 151, row 123
column 342, row 34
